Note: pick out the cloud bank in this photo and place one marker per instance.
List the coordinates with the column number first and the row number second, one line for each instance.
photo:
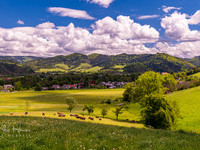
column 109, row 36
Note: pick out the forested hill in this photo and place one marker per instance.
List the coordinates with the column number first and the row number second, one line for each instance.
column 19, row 59
column 13, row 68
column 195, row 61
column 116, row 63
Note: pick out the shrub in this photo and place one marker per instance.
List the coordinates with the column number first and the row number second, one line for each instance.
column 157, row 112
column 38, row 87
column 109, row 101
column 90, row 109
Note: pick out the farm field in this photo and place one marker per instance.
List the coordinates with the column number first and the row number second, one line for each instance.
column 51, row 102
column 30, row 133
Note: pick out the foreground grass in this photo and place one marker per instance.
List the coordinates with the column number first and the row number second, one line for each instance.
column 189, row 104
column 44, row 133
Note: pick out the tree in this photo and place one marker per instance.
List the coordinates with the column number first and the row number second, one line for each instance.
column 71, row 102
column 90, row 109
column 118, row 111
column 148, row 83
column 169, row 82
column 38, row 87
column 157, row 112
column 18, row 86
column 104, row 111
column 128, row 94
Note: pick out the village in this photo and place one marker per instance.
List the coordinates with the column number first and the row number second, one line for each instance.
column 101, row 85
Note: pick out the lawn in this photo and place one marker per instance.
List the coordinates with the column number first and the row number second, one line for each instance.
column 33, row 133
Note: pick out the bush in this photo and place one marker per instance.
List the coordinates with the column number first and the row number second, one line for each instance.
column 158, row 113
column 38, row 87
column 109, row 101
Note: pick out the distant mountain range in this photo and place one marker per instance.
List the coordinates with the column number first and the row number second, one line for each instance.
column 125, row 63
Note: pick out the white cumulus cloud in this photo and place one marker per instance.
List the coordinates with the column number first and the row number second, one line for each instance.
column 103, row 3
column 148, row 17
column 168, row 9
column 109, row 36
column 195, row 19
column 66, row 12
column 20, row 22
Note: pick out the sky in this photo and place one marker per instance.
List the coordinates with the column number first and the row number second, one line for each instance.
column 48, row 28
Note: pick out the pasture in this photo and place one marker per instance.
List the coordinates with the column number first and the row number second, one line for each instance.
column 51, row 102
column 32, row 133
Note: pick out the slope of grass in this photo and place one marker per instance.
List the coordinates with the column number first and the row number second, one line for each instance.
column 44, row 133
column 62, row 66
column 196, row 75
column 189, row 104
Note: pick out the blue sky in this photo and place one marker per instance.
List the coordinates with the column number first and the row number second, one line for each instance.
column 31, row 13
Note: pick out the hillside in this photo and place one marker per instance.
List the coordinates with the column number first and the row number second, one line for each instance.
column 195, row 61
column 114, row 63
column 19, row 59
column 14, row 68
column 47, row 133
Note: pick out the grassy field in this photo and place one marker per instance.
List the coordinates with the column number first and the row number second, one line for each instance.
column 196, row 74
column 51, row 102
column 54, row 101
column 31, row 133
column 83, row 67
column 189, row 104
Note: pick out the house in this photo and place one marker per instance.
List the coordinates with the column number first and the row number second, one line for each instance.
column 66, row 87
column 164, row 73
column 8, row 86
column 56, row 87
column 74, row 86
column 45, row 88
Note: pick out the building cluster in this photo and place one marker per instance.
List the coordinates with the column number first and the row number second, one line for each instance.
column 112, row 85
column 64, row 87
column 7, row 88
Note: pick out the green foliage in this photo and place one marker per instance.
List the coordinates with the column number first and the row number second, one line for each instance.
column 104, row 111
column 1, row 87
column 116, row 63
column 118, row 111
column 89, row 108
column 148, row 83
column 158, row 113
column 129, row 92
column 109, row 101
column 18, row 86
column 71, row 102
column 38, row 87
column 169, row 82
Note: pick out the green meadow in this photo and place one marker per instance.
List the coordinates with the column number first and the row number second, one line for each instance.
column 35, row 131
column 54, row 101
column 41, row 133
